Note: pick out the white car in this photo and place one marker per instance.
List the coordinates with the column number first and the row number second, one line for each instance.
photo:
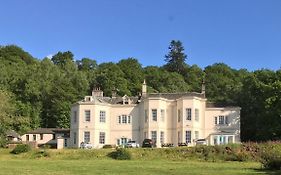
column 84, row 145
column 201, row 142
column 132, row 144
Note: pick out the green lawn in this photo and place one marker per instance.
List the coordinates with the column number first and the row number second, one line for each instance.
column 18, row 165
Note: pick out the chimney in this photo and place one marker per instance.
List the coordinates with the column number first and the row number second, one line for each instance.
column 114, row 93
column 203, row 88
column 143, row 88
column 97, row 92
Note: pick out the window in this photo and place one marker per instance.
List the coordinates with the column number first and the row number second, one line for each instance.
column 122, row 141
column 41, row 136
column 179, row 137
column 74, row 138
column 162, row 137
column 87, row 115
column 119, row 119
column 162, row 115
column 179, row 115
column 196, row 133
column 102, row 117
column 197, row 114
column 54, row 136
column 102, row 138
column 226, row 120
column 86, row 136
column 154, row 114
column 27, row 137
column 124, row 119
column 74, row 116
column 129, row 119
column 216, row 120
column 145, row 135
column 223, row 120
column 187, row 136
column 34, row 137
column 154, row 136
column 65, row 142
column 188, row 113
column 145, row 116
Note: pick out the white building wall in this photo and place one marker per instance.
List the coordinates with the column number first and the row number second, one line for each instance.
column 137, row 128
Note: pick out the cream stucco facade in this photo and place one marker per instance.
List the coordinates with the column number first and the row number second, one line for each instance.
column 167, row 118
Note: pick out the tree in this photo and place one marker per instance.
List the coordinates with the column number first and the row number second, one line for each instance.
column 61, row 58
column 8, row 116
column 109, row 77
column 222, row 84
column 133, row 73
column 175, row 58
column 15, row 54
column 87, row 64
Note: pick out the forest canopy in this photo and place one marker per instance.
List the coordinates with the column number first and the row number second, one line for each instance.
column 39, row 93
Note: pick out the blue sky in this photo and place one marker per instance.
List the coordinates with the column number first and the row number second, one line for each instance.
column 240, row 33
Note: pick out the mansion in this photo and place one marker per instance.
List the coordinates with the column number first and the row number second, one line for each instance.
column 166, row 118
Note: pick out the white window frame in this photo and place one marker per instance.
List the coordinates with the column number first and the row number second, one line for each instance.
column 87, row 115
column 102, row 138
column 196, row 135
column 102, row 116
column 197, row 113
column 154, row 136
column 222, row 120
column 74, row 138
column 74, row 116
column 179, row 115
column 162, row 137
column 87, row 136
column 162, row 111
column 145, row 116
column 188, row 114
column 154, row 114
column 188, row 136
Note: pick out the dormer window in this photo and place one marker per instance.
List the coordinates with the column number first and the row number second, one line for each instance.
column 88, row 98
column 126, row 100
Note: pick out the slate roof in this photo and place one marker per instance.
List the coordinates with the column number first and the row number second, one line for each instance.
column 12, row 133
column 48, row 131
column 218, row 105
column 171, row 96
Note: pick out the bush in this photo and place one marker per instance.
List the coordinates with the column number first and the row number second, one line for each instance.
column 121, row 154
column 21, row 148
column 108, row 146
column 41, row 153
column 271, row 159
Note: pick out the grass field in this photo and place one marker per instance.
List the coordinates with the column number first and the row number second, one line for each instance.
column 22, row 165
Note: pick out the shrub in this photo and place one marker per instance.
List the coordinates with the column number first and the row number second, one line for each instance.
column 108, row 146
column 121, row 154
column 41, row 153
column 21, row 148
column 271, row 159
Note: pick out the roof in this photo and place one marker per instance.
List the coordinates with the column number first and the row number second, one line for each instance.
column 48, row 131
column 218, row 105
column 171, row 96
column 12, row 133
column 223, row 133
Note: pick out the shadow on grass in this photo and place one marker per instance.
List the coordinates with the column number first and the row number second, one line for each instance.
column 269, row 172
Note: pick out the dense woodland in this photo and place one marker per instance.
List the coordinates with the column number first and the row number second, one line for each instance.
column 39, row 92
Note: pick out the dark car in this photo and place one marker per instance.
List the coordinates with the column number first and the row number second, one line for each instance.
column 148, row 143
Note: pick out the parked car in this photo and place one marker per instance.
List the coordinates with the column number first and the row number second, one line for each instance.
column 148, row 143
column 132, row 144
column 201, row 142
column 84, row 145
column 182, row 144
